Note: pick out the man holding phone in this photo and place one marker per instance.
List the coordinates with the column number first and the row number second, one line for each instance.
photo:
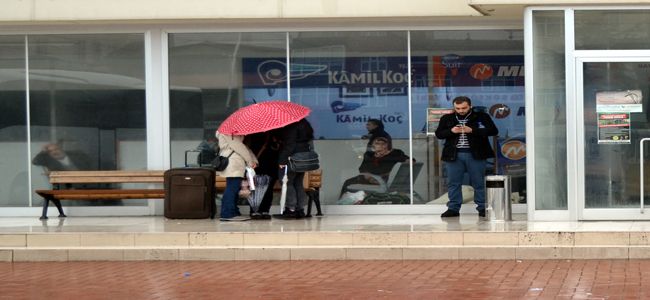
column 466, row 149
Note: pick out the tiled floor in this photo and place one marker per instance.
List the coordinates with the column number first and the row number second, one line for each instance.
column 328, row 223
column 549, row 279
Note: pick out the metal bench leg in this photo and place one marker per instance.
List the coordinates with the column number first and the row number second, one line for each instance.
column 310, row 197
column 57, row 202
column 46, row 203
column 317, row 201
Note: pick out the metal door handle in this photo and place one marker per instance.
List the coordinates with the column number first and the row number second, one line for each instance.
column 641, row 179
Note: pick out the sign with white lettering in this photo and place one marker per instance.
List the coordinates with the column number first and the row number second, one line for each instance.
column 344, row 92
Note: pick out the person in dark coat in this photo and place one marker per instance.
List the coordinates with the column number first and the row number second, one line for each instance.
column 53, row 158
column 375, row 129
column 266, row 147
column 296, row 137
column 465, row 151
column 378, row 162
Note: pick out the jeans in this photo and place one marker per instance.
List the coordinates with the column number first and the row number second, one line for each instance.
column 229, row 207
column 456, row 170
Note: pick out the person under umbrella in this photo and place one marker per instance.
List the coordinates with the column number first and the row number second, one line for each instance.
column 240, row 158
column 266, row 146
column 296, row 137
column 262, row 117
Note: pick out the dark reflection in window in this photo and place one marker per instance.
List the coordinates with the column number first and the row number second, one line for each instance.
column 87, row 96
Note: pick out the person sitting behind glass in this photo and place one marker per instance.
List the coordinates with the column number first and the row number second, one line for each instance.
column 378, row 162
column 53, row 158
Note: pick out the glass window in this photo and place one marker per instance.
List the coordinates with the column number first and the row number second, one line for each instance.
column 550, row 111
column 356, row 85
column 87, row 105
column 488, row 67
column 14, row 190
column 213, row 74
column 612, row 30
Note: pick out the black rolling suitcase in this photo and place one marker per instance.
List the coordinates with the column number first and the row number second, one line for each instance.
column 190, row 193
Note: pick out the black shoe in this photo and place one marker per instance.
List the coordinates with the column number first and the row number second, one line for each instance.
column 450, row 213
column 481, row 213
column 257, row 216
column 265, row 215
column 299, row 214
column 287, row 214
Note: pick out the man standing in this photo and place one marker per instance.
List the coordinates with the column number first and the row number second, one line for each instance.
column 466, row 148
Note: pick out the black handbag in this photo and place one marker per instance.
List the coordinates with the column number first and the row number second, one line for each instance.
column 220, row 163
column 304, row 162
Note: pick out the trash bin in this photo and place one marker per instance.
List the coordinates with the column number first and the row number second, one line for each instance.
column 497, row 189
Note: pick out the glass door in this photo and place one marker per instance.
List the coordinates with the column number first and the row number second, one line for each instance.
column 613, row 121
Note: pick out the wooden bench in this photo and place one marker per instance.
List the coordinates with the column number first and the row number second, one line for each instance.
column 61, row 179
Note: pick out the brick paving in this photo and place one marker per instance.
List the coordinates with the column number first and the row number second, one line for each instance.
column 549, row 279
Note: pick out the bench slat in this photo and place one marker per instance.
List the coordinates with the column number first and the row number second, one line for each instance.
column 142, row 173
column 108, row 179
column 103, row 194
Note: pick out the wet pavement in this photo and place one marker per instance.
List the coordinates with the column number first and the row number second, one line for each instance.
column 506, row 279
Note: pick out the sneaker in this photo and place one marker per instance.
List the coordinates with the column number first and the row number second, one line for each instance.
column 299, row 214
column 265, row 215
column 450, row 213
column 481, row 213
column 235, row 219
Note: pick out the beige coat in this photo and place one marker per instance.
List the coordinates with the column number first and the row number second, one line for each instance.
column 241, row 157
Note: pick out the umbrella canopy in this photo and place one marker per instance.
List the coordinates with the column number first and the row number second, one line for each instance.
column 262, row 117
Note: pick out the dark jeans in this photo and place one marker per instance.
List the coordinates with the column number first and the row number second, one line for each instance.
column 456, row 170
column 295, row 190
column 229, row 207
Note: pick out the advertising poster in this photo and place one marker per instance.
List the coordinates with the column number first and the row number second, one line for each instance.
column 619, row 101
column 344, row 92
column 613, row 128
column 433, row 118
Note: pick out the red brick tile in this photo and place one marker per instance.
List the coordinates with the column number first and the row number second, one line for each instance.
column 327, row 280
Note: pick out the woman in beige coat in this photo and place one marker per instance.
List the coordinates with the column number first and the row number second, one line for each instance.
column 240, row 157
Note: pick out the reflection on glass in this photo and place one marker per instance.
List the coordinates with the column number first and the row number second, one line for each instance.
column 350, row 79
column 550, row 111
column 213, row 74
column 87, row 105
column 14, row 190
column 488, row 67
column 612, row 29
column 612, row 165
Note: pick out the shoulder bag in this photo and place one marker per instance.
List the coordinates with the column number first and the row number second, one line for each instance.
column 220, row 163
column 304, row 161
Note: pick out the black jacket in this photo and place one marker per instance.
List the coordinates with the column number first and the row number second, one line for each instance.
column 296, row 137
column 79, row 160
column 482, row 127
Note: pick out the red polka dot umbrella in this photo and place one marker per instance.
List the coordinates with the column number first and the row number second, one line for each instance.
column 262, row 117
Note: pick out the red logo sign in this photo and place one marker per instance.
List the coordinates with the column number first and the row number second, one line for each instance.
column 513, row 150
column 481, row 71
column 500, row 111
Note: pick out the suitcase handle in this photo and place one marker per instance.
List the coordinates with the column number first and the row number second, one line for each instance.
column 199, row 157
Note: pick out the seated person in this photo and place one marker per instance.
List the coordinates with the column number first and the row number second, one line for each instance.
column 53, row 158
column 379, row 162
